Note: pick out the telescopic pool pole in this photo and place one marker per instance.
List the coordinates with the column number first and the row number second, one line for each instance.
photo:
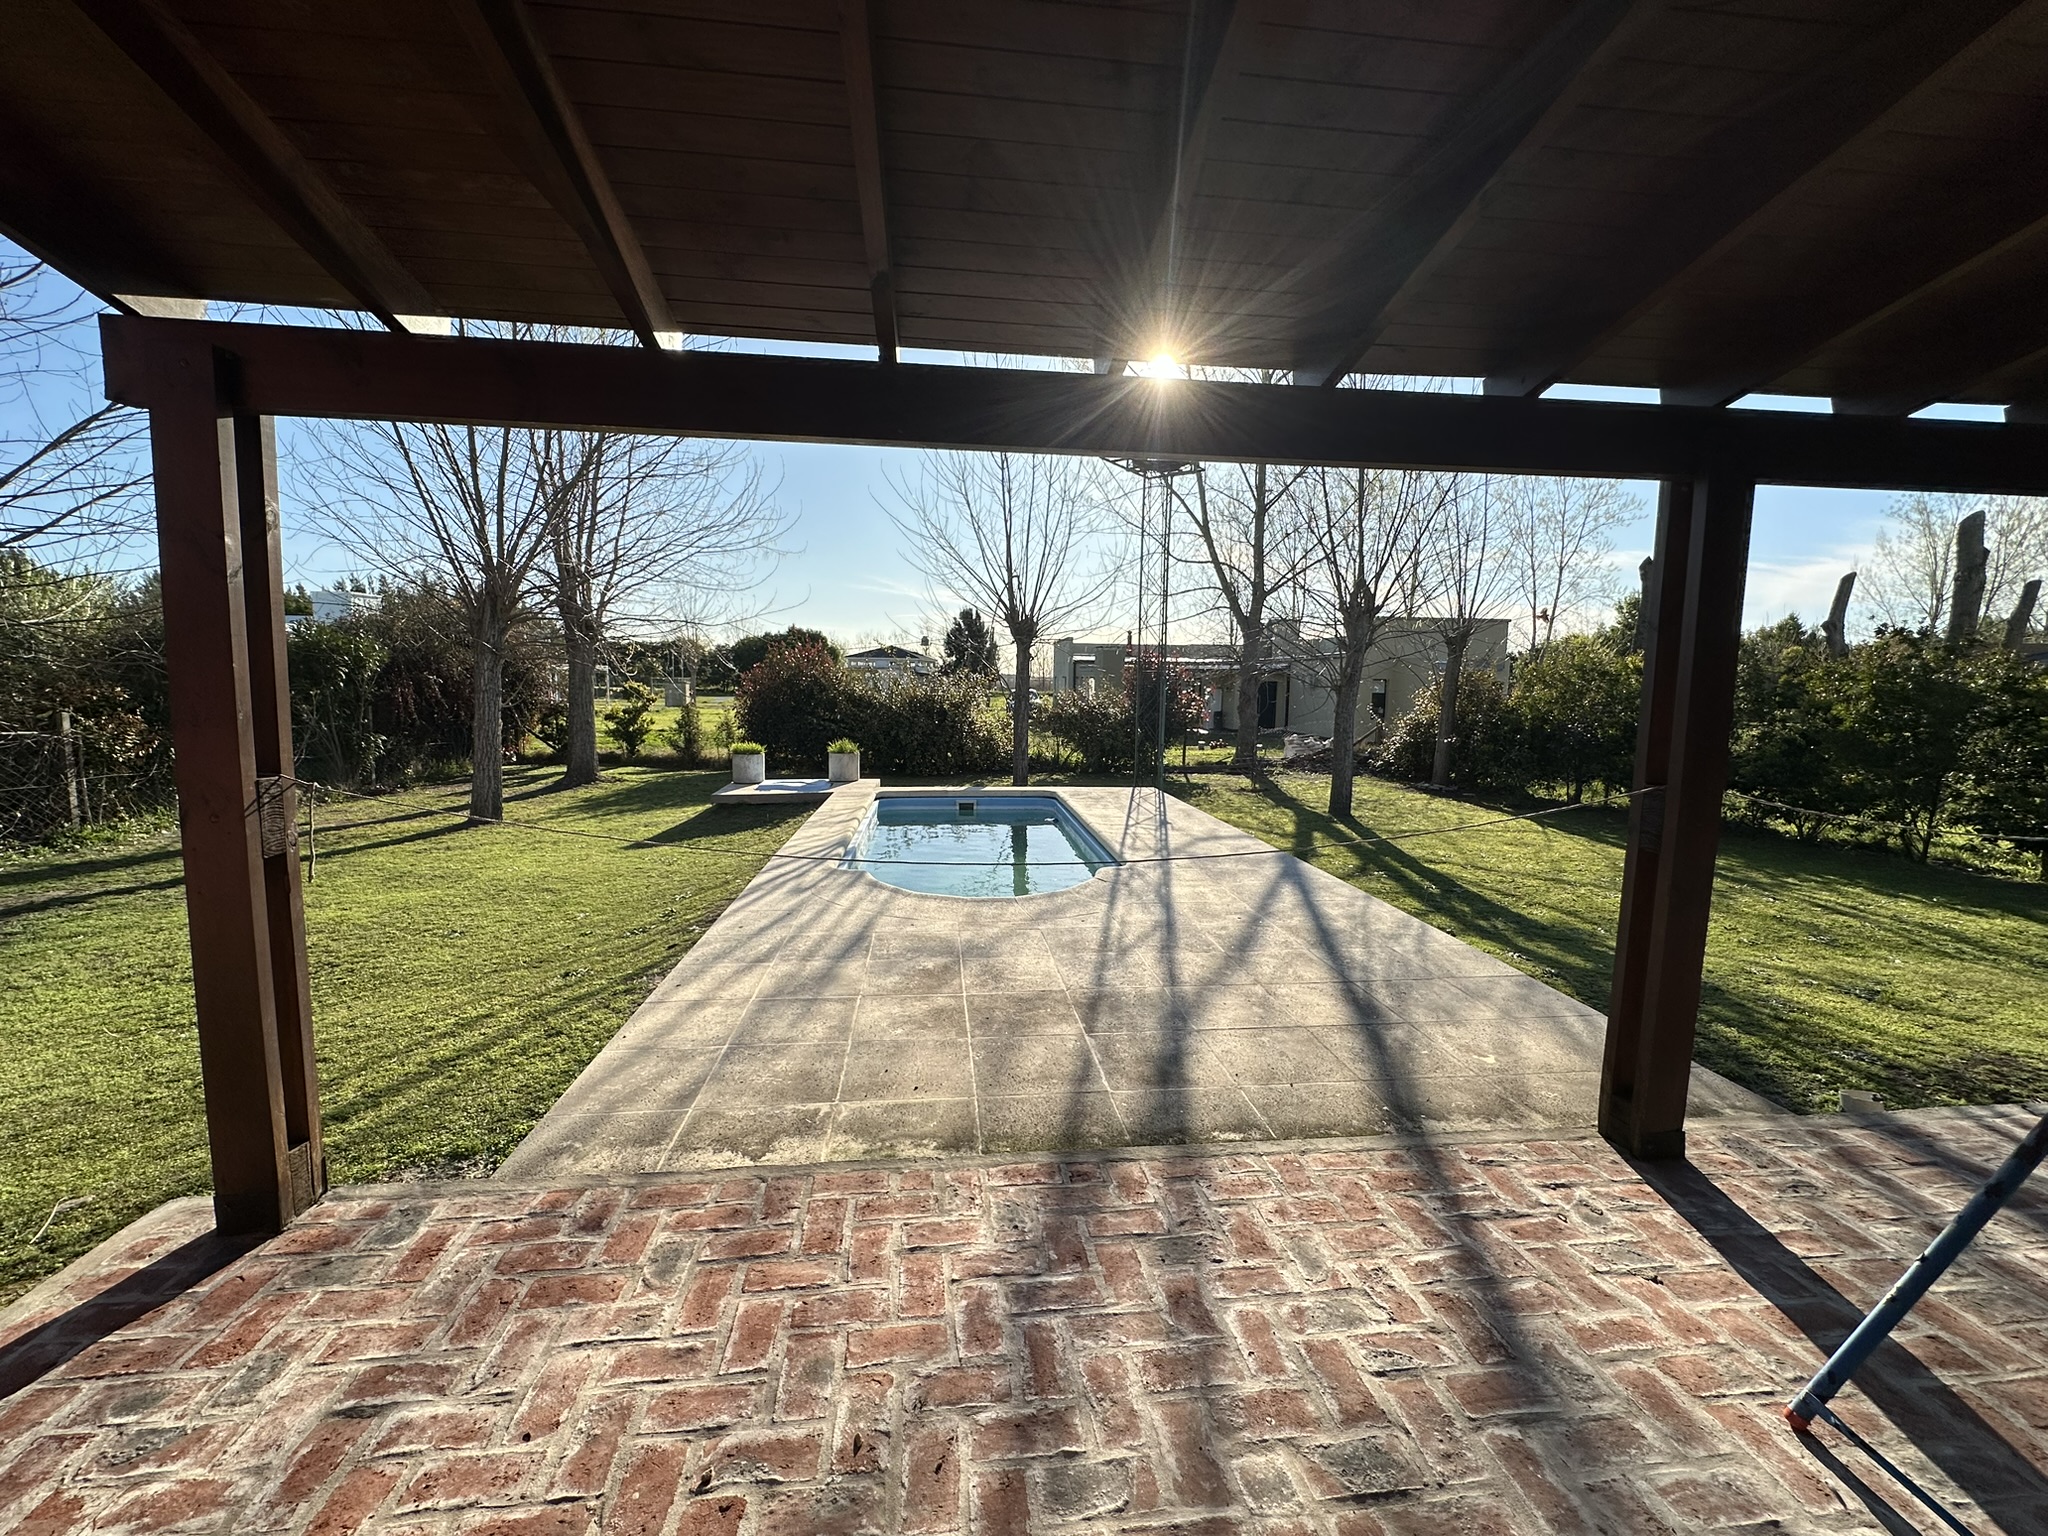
column 1912, row 1285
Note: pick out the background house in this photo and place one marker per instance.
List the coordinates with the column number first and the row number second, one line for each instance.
column 1294, row 694
column 897, row 660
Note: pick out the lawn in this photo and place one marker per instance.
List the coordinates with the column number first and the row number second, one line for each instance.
column 461, row 979
column 1827, row 967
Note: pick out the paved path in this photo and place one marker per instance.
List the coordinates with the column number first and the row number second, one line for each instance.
column 1237, row 994
column 1468, row 1338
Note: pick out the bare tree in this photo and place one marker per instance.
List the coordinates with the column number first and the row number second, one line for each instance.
column 1367, row 531
column 2016, row 528
column 665, row 525
column 1558, row 540
column 469, row 511
column 1012, row 535
column 1909, row 581
column 1474, row 577
column 1249, row 518
column 73, row 480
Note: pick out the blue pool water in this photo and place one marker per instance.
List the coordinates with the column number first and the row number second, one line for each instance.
column 975, row 845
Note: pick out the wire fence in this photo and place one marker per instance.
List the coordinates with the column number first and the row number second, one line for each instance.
column 83, row 774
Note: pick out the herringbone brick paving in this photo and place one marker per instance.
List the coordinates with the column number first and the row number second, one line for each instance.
column 1506, row 1336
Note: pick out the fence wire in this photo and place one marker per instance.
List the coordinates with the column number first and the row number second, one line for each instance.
column 52, row 782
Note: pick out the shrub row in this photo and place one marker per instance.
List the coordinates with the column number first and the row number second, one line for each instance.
column 799, row 698
column 1905, row 736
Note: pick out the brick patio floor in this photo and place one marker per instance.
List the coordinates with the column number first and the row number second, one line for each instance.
column 1470, row 1337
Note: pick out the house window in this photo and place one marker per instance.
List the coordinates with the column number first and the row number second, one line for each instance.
column 1379, row 698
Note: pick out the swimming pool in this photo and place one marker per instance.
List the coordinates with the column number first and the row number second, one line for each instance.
column 975, row 845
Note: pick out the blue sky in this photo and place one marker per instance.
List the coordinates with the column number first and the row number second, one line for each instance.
column 844, row 572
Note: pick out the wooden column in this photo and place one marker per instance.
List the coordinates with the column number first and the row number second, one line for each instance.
column 271, row 731
column 1694, row 629
column 230, row 719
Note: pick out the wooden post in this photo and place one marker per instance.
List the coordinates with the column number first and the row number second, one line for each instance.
column 271, row 731
column 67, row 750
column 1675, row 821
column 226, row 671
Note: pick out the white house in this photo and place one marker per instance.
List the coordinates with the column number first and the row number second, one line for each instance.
column 1295, row 692
column 340, row 603
column 894, row 660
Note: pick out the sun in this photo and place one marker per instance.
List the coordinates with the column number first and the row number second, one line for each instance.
column 1163, row 367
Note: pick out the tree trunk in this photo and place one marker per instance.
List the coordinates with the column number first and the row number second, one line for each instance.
column 1835, row 627
column 580, row 765
column 1966, row 595
column 1020, row 718
column 1250, row 662
column 1447, row 708
column 579, row 644
column 487, row 731
column 1344, row 730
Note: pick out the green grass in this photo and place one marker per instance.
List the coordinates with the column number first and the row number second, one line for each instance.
column 1827, row 967
column 461, row 979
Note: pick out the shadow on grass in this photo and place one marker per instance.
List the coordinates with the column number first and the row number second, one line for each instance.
column 58, row 900
column 44, row 871
column 1582, row 962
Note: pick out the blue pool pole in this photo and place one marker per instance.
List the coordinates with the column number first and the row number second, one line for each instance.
column 1913, row 1284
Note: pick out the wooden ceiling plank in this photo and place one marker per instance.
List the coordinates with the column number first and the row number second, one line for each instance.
column 563, row 163
column 1752, row 362
column 283, row 182
column 1403, row 240
column 1749, row 164
column 863, row 118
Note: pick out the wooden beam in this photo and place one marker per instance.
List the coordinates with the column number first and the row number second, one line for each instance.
column 1880, row 272
column 1749, row 163
column 2023, row 384
column 1702, row 555
column 91, row 240
column 283, row 183
column 329, row 372
column 1398, row 245
column 1936, row 349
column 562, row 162
column 864, row 123
column 1154, row 315
column 224, row 683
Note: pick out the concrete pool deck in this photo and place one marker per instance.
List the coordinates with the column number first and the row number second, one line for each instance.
column 1233, row 994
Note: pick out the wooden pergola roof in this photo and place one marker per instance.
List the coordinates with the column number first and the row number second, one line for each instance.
column 1834, row 197
column 1839, row 197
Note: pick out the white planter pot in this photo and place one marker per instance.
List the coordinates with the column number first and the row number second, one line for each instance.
column 749, row 767
column 844, row 767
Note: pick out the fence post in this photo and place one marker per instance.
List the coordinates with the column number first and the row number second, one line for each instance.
column 70, row 768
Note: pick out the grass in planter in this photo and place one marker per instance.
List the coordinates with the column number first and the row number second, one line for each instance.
column 1827, row 967
column 461, row 979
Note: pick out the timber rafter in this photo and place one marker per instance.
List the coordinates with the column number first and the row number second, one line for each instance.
column 282, row 181
column 864, row 123
column 562, row 161
column 302, row 371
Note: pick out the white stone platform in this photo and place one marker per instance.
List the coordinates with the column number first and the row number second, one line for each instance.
column 787, row 791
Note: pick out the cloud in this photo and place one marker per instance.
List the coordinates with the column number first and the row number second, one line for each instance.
column 1805, row 586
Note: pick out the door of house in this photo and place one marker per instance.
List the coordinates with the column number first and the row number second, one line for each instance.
column 1269, row 704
